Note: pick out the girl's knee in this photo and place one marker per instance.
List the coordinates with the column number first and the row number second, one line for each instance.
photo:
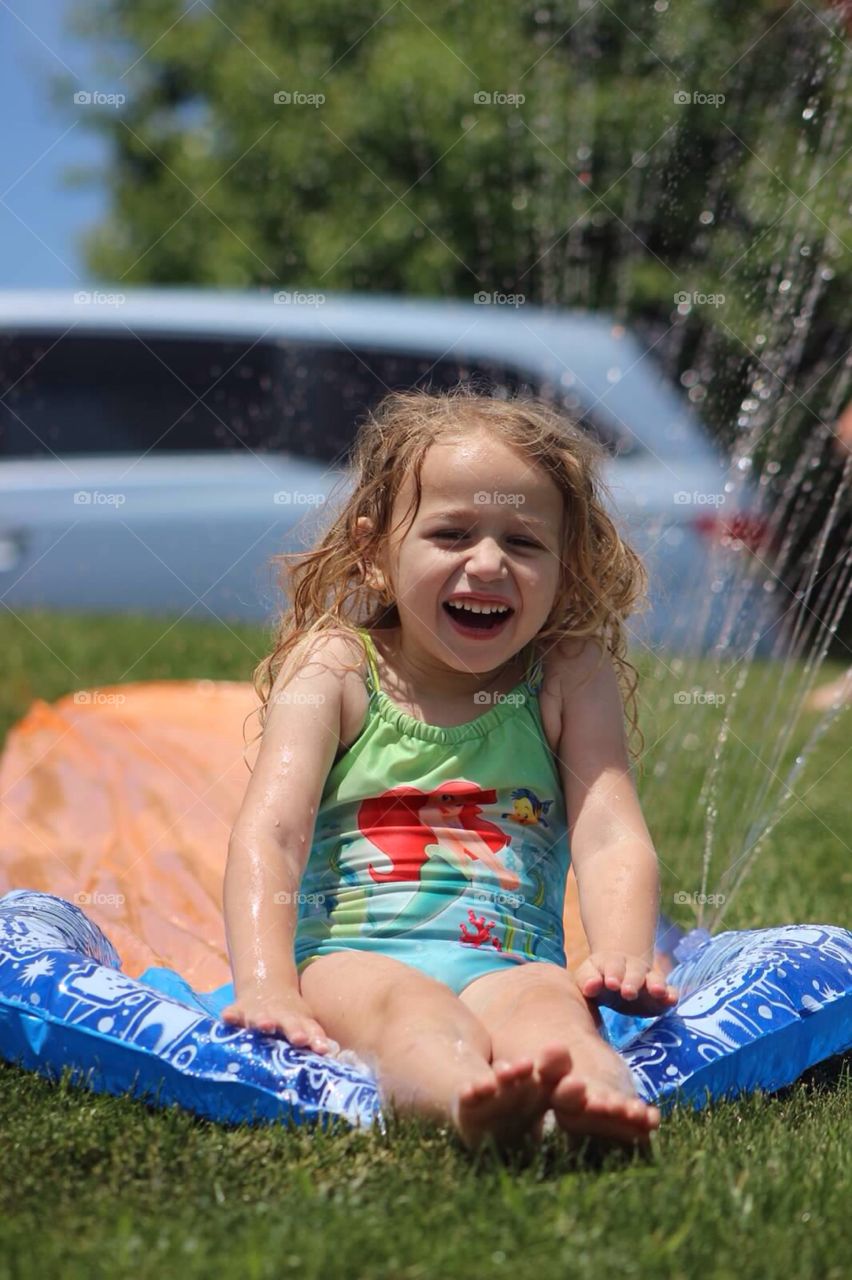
column 419, row 1006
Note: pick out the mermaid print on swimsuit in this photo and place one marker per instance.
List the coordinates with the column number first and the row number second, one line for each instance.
column 445, row 847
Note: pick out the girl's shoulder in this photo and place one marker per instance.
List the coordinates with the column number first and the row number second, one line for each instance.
column 334, row 649
column 549, row 700
column 564, row 667
column 340, row 651
column 345, row 651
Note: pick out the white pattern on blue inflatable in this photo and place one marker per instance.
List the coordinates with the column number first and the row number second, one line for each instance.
column 757, row 1008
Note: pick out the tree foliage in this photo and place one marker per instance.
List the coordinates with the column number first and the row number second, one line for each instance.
column 619, row 182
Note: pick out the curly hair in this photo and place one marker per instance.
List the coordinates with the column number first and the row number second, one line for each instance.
column 603, row 579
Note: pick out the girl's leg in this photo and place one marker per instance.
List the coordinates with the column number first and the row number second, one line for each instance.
column 430, row 1053
column 537, row 1009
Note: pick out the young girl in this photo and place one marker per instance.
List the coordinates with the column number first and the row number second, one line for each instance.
column 442, row 722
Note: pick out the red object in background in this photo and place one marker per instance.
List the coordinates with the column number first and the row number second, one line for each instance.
column 750, row 530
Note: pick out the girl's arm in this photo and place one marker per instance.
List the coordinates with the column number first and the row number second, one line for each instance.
column 611, row 848
column 271, row 840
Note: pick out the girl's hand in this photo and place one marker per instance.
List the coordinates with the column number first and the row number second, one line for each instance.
column 285, row 1015
column 625, row 983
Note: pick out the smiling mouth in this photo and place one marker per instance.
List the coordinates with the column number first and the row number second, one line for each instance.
column 472, row 620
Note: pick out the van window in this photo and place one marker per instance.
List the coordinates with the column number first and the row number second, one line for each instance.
column 104, row 393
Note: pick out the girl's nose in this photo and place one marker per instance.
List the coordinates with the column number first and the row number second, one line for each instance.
column 486, row 559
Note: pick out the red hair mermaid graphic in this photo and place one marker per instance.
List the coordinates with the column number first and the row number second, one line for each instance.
column 420, row 832
column 405, row 821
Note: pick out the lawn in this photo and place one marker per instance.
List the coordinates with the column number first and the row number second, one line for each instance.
column 101, row 1186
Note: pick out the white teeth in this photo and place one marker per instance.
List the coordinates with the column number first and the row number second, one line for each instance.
column 473, row 607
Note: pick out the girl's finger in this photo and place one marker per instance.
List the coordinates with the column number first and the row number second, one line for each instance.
column 615, row 972
column 588, row 976
column 634, row 979
column 655, row 981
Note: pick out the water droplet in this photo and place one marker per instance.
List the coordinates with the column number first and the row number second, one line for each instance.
column 760, row 339
column 805, row 251
column 784, row 286
column 827, row 273
column 809, row 113
column 689, row 377
column 706, row 216
column 613, row 374
column 744, row 464
column 583, row 152
column 773, row 468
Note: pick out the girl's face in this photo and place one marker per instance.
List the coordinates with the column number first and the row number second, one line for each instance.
column 489, row 526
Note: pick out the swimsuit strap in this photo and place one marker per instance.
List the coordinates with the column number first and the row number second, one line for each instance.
column 533, row 675
column 373, row 672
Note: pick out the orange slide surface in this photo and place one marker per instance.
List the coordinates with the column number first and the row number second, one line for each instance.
column 121, row 799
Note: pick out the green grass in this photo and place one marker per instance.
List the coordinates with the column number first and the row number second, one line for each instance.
column 101, row 1186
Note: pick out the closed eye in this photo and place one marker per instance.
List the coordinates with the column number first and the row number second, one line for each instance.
column 456, row 536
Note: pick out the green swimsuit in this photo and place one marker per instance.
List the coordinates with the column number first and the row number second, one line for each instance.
column 446, row 848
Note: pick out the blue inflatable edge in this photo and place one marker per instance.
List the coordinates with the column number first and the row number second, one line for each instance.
column 757, row 1009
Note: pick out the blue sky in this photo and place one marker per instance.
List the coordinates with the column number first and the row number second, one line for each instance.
column 40, row 218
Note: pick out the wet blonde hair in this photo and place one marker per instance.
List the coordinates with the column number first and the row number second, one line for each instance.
column 603, row 580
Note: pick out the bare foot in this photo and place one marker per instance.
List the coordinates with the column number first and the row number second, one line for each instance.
column 611, row 1108
column 510, row 1105
column 554, row 1068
